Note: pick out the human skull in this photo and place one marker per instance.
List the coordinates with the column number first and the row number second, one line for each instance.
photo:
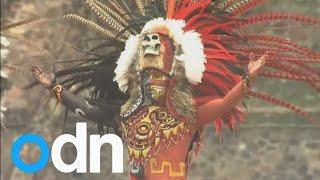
column 151, row 44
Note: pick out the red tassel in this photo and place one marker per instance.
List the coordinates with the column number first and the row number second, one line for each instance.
column 282, row 48
column 294, row 71
column 288, row 76
column 269, row 17
column 295, row 60
column 302, row 65
column 282, row 41
column 292, row 65
column 279, row 102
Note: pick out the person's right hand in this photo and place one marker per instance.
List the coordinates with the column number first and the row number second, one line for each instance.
column 45, row 79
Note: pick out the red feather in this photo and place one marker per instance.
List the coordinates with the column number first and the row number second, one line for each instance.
column 226, row 49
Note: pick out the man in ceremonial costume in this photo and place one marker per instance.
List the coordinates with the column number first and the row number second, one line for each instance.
column 171, row 68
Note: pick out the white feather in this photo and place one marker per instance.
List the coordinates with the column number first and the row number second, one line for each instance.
column 193, row 56
column 126, row 59
column 192, row 51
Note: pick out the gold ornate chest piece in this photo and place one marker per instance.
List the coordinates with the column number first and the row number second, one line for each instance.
column 150, row 129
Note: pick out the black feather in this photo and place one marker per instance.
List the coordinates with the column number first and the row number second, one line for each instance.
column 96, row 73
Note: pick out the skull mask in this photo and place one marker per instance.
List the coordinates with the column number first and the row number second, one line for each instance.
column 156, row 51
column 151, row 44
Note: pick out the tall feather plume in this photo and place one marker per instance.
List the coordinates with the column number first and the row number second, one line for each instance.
column 284, row 42
column 222, row 5
column 306, row 68
column 288, row 67
column 171, row 4
column 126, row 5
column 269, row 17
column 276, row 101
column 5, row 28
column 119, row 9
column 292, row 68
column 30, row 43
column 92, row 25
column 288, row 76
column 165, row 4
column 103, row 15
column 284, row 48
column 16, row 24
column 141, row 4
column 116, row 15
column 242, row 6
column 115, row 5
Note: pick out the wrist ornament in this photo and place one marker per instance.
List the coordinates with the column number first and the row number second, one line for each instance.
column 247, row 83
column 56, row 91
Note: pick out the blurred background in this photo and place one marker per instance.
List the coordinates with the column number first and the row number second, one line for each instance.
column 273, row 144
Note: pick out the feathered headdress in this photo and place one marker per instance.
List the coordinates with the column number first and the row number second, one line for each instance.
column 189, row 42
column 213, row 48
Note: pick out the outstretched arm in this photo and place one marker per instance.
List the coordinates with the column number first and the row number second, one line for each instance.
column 89, row 109
column 218, row 107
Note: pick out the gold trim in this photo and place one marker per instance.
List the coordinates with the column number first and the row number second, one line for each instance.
column 155, row 169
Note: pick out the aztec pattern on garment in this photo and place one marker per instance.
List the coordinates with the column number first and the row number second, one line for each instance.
column 150, row 128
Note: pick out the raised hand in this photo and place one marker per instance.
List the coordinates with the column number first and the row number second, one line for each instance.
column 45, row 79
column 255, row 66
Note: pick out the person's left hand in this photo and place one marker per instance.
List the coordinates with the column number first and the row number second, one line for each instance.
column 255, row 66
